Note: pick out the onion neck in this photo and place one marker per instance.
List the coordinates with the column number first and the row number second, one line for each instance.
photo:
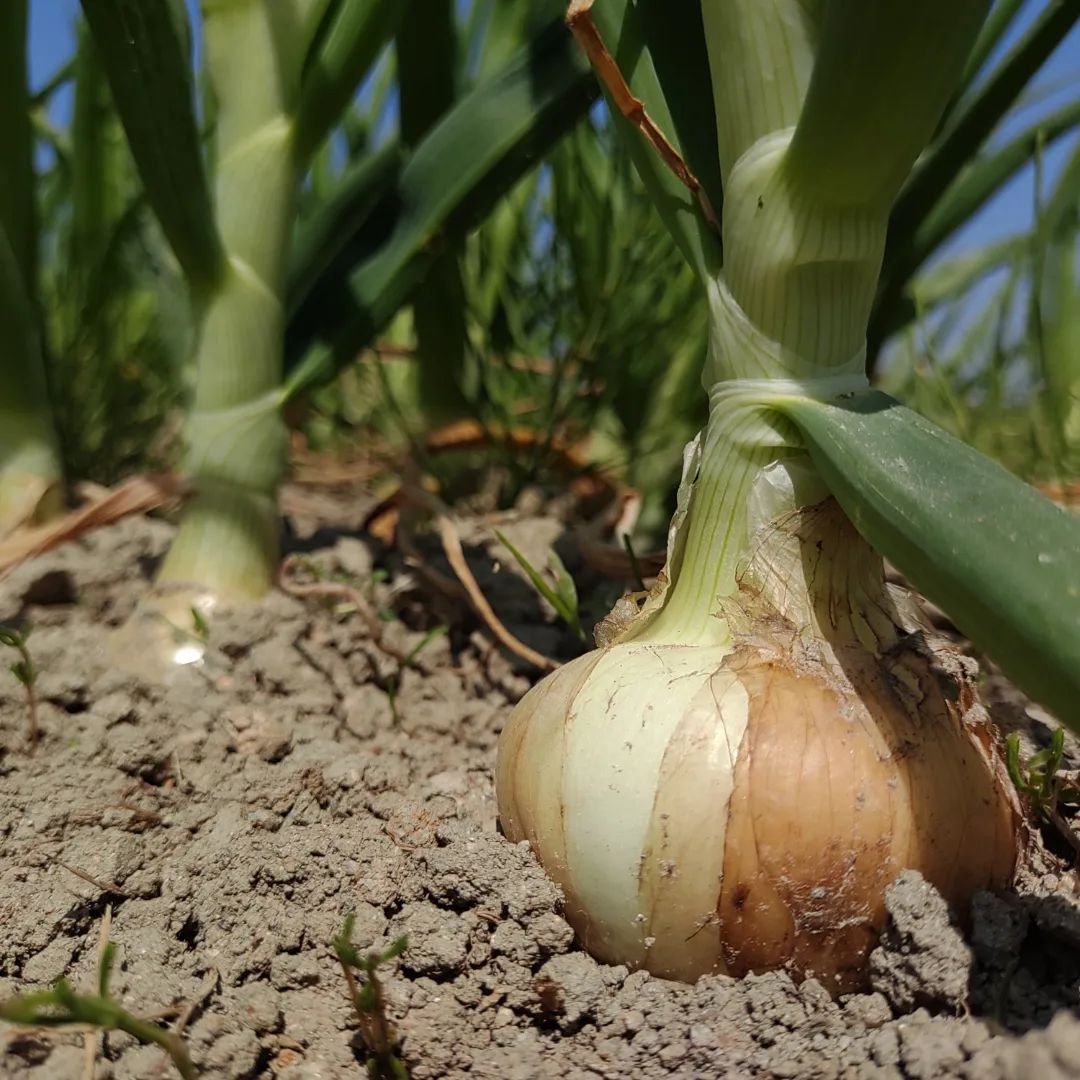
column 715, row 538
column 788, row 318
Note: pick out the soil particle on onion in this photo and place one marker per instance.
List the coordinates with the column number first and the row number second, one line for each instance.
column 233, row 817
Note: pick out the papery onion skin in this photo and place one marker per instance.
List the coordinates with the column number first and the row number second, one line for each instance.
column 739, row 809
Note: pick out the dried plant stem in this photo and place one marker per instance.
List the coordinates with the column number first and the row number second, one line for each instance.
column 104, row 886
column 451, row 543
column 632, row 108
column 136, row 495
column 340, row 591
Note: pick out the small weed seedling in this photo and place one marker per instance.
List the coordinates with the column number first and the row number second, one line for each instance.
column 1040, row 779
column 61, row 1007
column 202, row 627
column 561, row 595
column 367, row 1000
column 25, row 671
column 408, row 660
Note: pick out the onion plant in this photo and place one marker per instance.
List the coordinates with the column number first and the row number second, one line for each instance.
column 30, row 469
column 282, row 75
column 732, row 779
column 113, row 304
column 545, row 353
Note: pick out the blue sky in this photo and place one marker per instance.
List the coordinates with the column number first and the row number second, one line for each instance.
column 52, row 40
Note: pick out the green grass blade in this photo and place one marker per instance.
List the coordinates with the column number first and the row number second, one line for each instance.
column 951, row 279
column 997, row 24
column 984, row 176
column 503, row 240
column 566, row 590
column 999, row 558
column 59, row 78
column 17, row 215
column 973, row 187
column 99, row 174
column 325, row 233
column 492, row 137
column 562, row 596
column 505, row 26
column 144, row 50
column 29, row 456
column 355, row 34
column 976, row 117
column 427, row 58
column 1060, row 209
column 659, row 46
column 1057, row 311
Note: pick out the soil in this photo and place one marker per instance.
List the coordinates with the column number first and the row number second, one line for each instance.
column 231, row 818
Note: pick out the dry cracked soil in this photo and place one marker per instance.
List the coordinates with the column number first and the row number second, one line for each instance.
column 230, row 818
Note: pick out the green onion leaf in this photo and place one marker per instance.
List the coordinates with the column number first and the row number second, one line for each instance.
column 492, row 136
column 144, row 50
column 1000, row 559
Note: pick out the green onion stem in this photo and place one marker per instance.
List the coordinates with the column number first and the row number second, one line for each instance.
column 813, row 153
column 716, row 533
column 227, row 542
column 762, row 57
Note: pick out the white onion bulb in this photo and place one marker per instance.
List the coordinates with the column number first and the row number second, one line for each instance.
column 742, row 807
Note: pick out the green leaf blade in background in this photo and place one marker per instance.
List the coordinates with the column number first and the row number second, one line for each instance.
column 17, row 214
column 493, row 135
column 1055, row 318
column 659, row 46
column 562, row 596
column 954, row 179
column 976, row 116
column 975, row 184
column 1000, row 559
column 427, row 60
column 342, row 54
column 997, row 24
column 30, row 467
column 144, row 50
column 320, row 237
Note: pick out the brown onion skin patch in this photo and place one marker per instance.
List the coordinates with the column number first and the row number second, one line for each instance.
column 837, row 792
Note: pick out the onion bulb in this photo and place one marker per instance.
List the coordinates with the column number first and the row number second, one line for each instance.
column 740, row 804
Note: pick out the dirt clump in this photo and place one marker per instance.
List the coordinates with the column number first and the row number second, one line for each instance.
column 233, row 817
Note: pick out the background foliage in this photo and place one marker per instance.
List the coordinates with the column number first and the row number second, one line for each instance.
column 555, row 306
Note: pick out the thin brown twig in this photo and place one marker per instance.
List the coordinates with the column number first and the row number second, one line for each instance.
column 340, row 591
column 104, row 886
column 455, row 555
column 135, row 495
column 210, row 984
column 403, row 536
column 633, row 108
